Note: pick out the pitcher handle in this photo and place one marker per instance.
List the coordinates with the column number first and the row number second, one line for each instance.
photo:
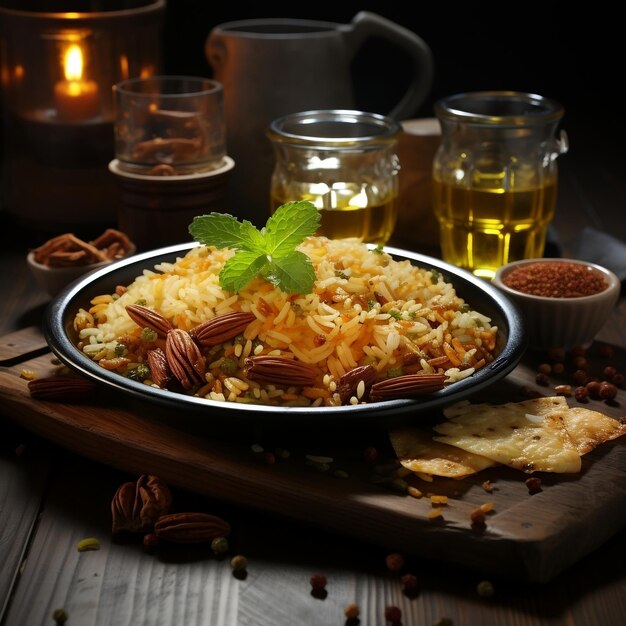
column 366, row 24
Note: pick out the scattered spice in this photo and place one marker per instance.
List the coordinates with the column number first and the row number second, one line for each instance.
column 435, row 513
column 394, row 561
column 219, row 545
column 607, row 391
column 485, row 589
column 439, row 500
column 393, row 614
column 370, row 454
column 544, row 368
column 563, row 390
column 580, row 393
column 89, row 543
column 318, row 586
column 150, row 542
column 488, row 486
column 239, row 563
column 478, row 517
column 282, row 453
column 559, row 279
column 410, row 585
column 318, row 582
column 606, row 351
column 533, row 484
column 269, row 458
column 320, row 463
column 414, row 492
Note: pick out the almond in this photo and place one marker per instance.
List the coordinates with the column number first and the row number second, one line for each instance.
column 135, row 507
column 349, row 382
column 406, row 386
column 156, row 499
column 145, row 317
column 222, row 328
column 62, row 388
column 278, row 370
column 125, row 509
column 184, row 358
column 160, row 371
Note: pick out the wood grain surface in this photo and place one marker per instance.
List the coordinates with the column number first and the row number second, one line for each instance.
column 532, row 537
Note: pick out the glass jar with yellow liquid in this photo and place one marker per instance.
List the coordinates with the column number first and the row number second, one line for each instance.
column 344, row 162
column 495, row 177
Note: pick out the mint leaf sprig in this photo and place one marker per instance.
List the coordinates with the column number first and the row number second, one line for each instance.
column 270, row 252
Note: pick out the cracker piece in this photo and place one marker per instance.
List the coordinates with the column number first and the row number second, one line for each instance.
column 418, row 452
column 513, row 435
column 588, row 429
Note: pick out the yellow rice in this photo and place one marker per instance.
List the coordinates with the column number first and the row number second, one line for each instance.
column 365, row 308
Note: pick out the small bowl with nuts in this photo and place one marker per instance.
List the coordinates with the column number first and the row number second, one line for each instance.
column 63, row 259
column 564, row 302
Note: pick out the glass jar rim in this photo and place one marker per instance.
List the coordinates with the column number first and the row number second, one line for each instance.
column 334, row 128
column 499, row 108
column 168, row 86
column 70, row 18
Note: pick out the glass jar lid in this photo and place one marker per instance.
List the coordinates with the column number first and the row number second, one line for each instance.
column 499, row 108
column 334, row 128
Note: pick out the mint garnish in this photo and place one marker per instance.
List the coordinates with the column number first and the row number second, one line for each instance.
column 269, row 252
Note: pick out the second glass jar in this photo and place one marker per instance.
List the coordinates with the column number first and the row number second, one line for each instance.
column 344, row 162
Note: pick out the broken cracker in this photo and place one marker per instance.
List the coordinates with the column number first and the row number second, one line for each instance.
column 512, row 435
column 416, row 450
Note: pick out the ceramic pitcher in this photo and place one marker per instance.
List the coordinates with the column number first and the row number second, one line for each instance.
column 273, row 67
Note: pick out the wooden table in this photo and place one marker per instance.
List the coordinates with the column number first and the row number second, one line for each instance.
column 50, row 499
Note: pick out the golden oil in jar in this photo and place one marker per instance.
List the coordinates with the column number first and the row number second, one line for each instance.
column 348, row 210
column 495, row 177
column 485, row 226
column 344, row 162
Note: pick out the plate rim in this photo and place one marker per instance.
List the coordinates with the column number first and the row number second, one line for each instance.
column 57, row 337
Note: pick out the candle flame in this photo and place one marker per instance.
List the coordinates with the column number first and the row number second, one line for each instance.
column 73, row 63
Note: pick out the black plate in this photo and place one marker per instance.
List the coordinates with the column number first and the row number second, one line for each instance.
column 480, row 294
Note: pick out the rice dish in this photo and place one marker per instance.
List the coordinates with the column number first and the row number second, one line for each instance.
column 367, row 312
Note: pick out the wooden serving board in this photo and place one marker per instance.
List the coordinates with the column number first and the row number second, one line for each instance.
column 533, row 537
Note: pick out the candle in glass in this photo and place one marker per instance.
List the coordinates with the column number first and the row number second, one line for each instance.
column 75, row 97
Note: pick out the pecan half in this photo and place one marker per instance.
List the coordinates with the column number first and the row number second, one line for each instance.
column 191, row 527
column 221, row 328
column 156, row 499
column 135, row 507
column 160, row 371
column 349, row 382
column 145, row 317
column 406, row 386
column 125, row 509
column 62, row 388
column 184, row 358
column 278, row 370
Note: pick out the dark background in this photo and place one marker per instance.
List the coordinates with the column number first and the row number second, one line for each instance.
column 574, row 56
column 548, row 48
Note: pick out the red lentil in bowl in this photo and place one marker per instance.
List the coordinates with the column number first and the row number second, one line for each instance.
column 556, row 279
column 564, row 302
